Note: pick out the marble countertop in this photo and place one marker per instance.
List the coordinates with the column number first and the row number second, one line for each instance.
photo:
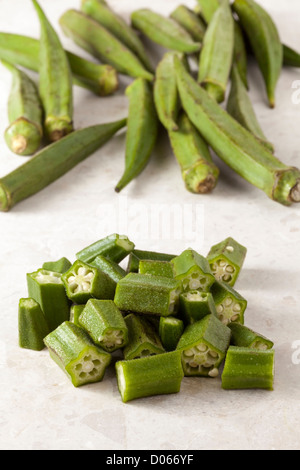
column 39, row 408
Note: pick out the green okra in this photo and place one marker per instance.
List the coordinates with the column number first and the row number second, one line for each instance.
column 142, row 131
column 156, row 268
column 230, row 304
column 55, row 81
column 32, row 325
column 149, row 376
column 75, row 312
column 101, row 12
column 60, row 266
column 154, row 295
column 240, row 107
column 53, row 162
column 25, row 114
column 105, row 324
column 240, row 53
column 114, row 247
column 265, row 42
column 190, row 21
column 217, row 53
column 208, row 8
column 138, row 255
column 226, row 260
column 291, row 58
column 143, row 340
column 235, row 145
column 203, row 347
column 164, row 31
column 247, row 368
column 195, row 305
column 100, row 43
column 199, row 173
column 245, row 337
column 113, row 271
column 75, row 353
column 47, row 289
column 170, row 332
column 24, row 51
column 193, row 271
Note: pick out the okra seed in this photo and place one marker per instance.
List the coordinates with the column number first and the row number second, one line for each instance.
column 214, row 373
column 230, row 269
column 220, row 308
column 234, row 318
column 228, row 301
column 230, row 248
column 237, row 307
column 226, row 277
column 195, row 284
column 81, row 271
column 189, row 353
column 221, row 263
column 202, row 347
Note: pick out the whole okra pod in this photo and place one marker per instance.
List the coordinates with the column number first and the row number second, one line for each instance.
column 208, row 8
column 190, row 21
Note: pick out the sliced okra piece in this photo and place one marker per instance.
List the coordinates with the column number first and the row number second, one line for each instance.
column 143, row 339
column 105, row 324
column 75, row 312
column 170, row 332
column 138, row 255
column 226, row 260
column 47, row 289
column 83, row 282
column 148, row 376
column 115, row 247
column 195, row 305
column 142, row 293
column 61, row 266
column 76, row 354
column 247, row 368
column 32, row 325
column 230, row 305
column 190, row 21
column 113, row 270
column 203, row 347
column 193, row 271
column 156, row 268
column 243, row 336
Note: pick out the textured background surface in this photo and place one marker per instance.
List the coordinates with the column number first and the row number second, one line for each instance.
column 39, row 408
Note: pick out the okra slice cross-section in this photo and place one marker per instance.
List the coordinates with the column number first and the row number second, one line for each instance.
column 195, row 305
column 243, row 336
column 143, row 339
column 193, row 271
column 226, row 260
column 76, row 354
column 230, row 304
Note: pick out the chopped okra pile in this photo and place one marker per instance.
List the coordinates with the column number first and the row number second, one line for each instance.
column 167, row 317
column 205, row 53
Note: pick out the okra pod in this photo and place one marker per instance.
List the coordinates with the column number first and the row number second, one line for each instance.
column 190, row 21
column 203, row 347
column 291, row 58
column 236, row 146
column 143, row 340
column 208, row 8
column 217, row 53
column 245, row 337
column 265, row 42
column 53, row 162
column 148, row 376
column 195, row 305
column 138, row 255
column 25, row 113
column 247, row 368
column 142, row 131
column 230, row 304
column 75, row 312
column 100, row 43
column 75, row 353
column 240, row 53
column 32, row 325
column 101, row 12
column 170, row 332
column 113, row 271
column 226, row 260
column 114, row 247
column 105, row 324
column 60, row 266
column 193, row 271
column 55, row 81
column 47, row 289
column 24, row 51
column 156, row 268
column 154, row 295
column 199, row 172
column 164, row 31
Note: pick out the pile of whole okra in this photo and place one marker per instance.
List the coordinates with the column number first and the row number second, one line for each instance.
column 169, row 316
column 184, row 94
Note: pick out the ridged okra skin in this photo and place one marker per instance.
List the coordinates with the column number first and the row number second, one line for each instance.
column 161, row 374
column 192, row 270
column 170, row 332
column 208, row 8
column 105, row 324
column 195, row 305
column 76, row 354
column 190, row 21
column 243, row 336
column 203, row 346
column 138, row 255
column 143, row 339
column 156, row 268
column 25, row 113
column 240, row 53
column 291, row 58
column 114, row 247
column 247, row 368
column 48, row 290
column 141, row 293
column 100, row 43
column 32, row 325
column 113, row 271
column 226, row 260
column 230, row 304
column 75, row 312
column 60, row 266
